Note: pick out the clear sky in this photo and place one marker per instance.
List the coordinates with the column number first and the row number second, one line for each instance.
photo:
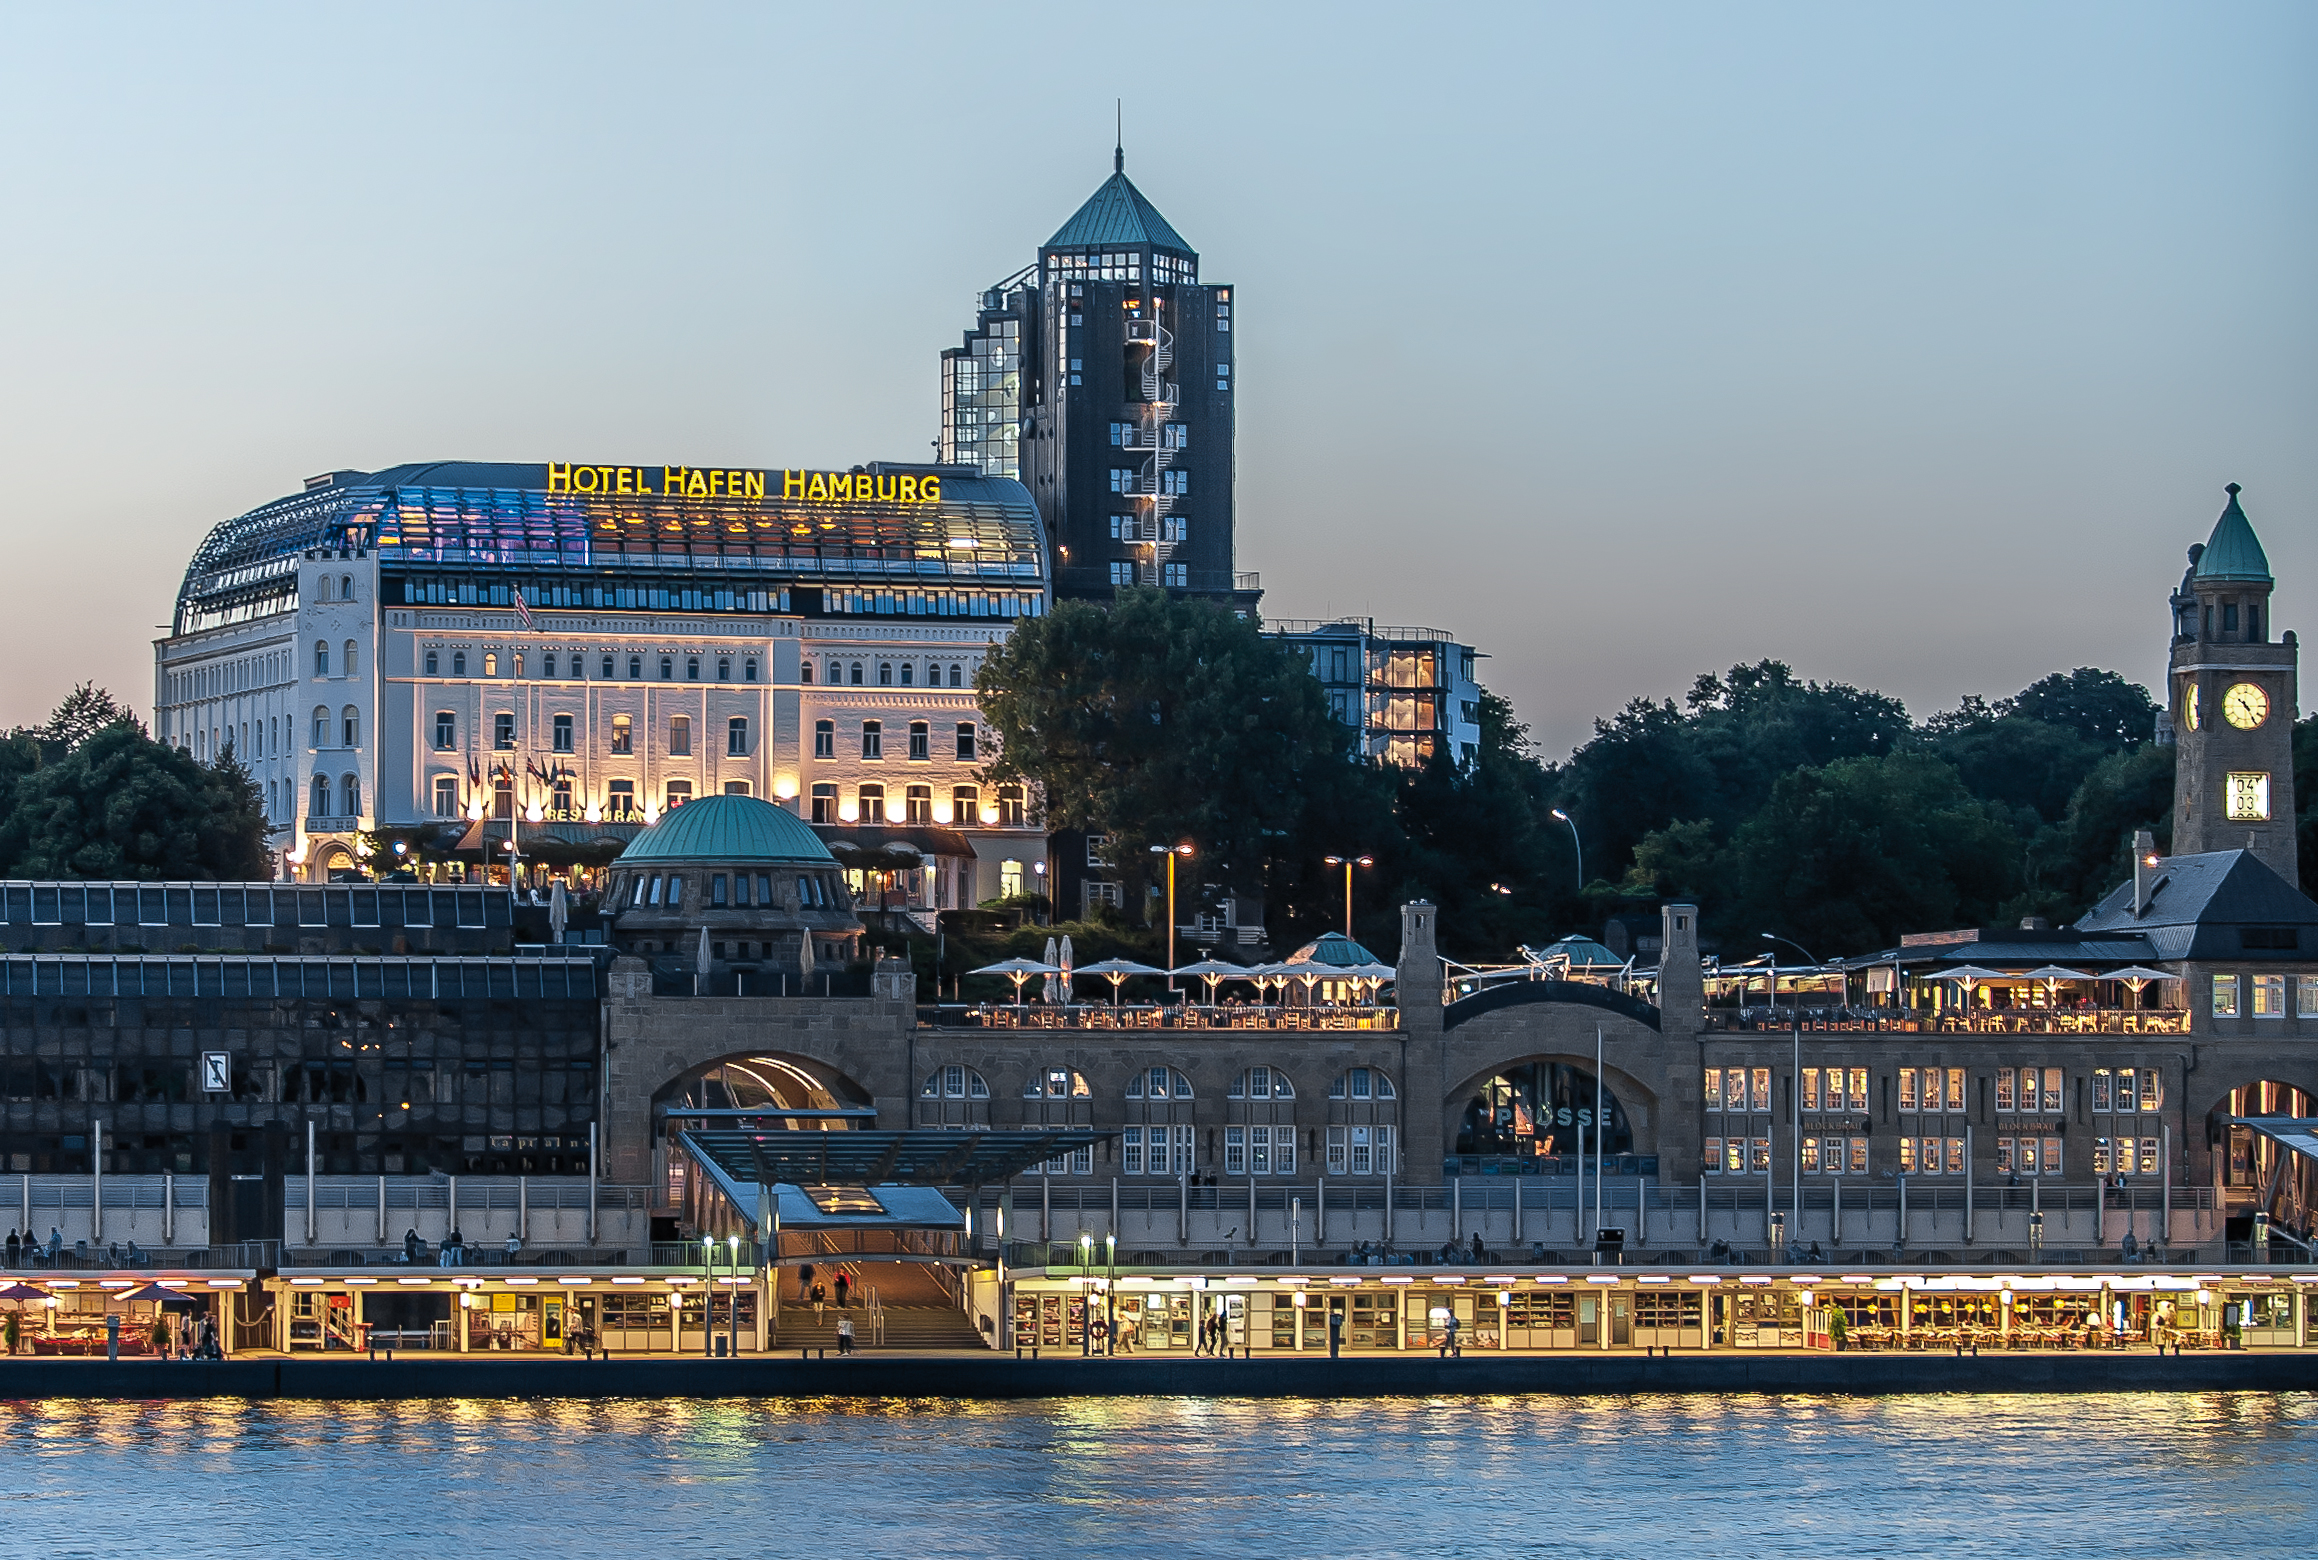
column 1909, row 345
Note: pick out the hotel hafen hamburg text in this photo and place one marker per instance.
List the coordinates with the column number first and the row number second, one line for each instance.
column 563, row 651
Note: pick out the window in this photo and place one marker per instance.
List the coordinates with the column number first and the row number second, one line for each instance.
column 446, row 797
column 736, row 788
column 562, row 734
column 623, row 734
column 1011, row 807
column 724, row 668
column 1858, row 1080
column 908, row 670
column 956, row 1083
column 667, row 668
column 804, row 671
column 675, row 891
column 320, row 807
column 635, row 668
column 749, row 669
column 1761, row 1090
column 680, row 736
column 503, row 730
column 1955, row 1089
column 490, row 663
column 857, row 674
column 1097, row 844
column 321, row 660
column 433, row 662
column 2269, row 992
column 824, row 739
column 345, row 587
column 871, row 804
column 824, row 803
column 719, row 891
column 458, row 663
column 920, row 740
column 965, row 735
column 605, row 670
column 873, row 739
column 1158, row 1083
column 919, row 804
column 736, row 736
column 692, row 668
column 547, row 665
column 2004, row 1088
column 1123, row 528
column 2225, row 996
column 346, row 667
column 2306, row 996
column 2101, row 1094
column 350, row 793
column 1122, row 572
column 350, row 727
column 620, row 799
column 885, row 674
column 1175, row 574
column 1122, row 480
column 321, row 727
column 1175, row 528
column 678, row 793
column 446, row 730
column 965, row 804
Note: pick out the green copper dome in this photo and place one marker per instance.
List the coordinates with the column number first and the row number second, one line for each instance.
column 727, row 828
column 2233, row 552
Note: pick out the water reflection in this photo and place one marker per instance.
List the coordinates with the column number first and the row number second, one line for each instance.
column 2117, row 1476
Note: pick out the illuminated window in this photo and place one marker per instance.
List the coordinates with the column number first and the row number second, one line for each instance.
column 623, row 734
column 872, row 803
column 2225, row 996
column 1122, row 572
column 620, row 800
column 824, row 803
column 1176, row 575
column 965, row 804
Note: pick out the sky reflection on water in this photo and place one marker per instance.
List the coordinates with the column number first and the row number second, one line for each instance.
column 2112, row 1476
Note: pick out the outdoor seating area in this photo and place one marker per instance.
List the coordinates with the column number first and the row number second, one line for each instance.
column 1102, row 1015
column 1974, row 1021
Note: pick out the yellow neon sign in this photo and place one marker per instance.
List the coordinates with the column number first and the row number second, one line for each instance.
column 812, row 487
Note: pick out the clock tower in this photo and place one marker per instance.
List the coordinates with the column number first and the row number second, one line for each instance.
column 2233, row 703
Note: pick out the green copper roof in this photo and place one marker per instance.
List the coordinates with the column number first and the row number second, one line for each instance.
column 2233, row 552
column 727, row 828
column 1332, row 948
column 1117, row 214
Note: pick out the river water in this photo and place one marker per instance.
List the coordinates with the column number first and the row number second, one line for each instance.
column 2106, row 1476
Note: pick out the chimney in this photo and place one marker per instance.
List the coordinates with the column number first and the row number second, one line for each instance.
column 2144, row 870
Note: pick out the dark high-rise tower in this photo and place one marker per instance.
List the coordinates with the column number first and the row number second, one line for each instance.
column 1102, row 377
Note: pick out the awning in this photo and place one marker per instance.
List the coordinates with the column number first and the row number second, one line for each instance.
column 925, row 838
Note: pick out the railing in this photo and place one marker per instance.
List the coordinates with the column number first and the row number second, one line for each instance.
column 248, row 1255
column 1093, row 1015
column 466, row 1257
column 1998, row 1021
column 360, row 1193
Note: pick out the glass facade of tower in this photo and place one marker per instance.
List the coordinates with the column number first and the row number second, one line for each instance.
column 982, row 386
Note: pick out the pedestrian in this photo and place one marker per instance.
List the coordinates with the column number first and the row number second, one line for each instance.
column 414, row 1250
column 1479, row 1255
column 805, row 1281
column 1449, row 1339
column 844, row 1334
column 820, row 1294
column 514, row 1245
column 843, row 1284
column 1335, row 1332
column 55, row 1244
column 456, row 1246
column 14, row 1245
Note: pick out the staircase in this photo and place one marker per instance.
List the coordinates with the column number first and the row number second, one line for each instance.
column 1160, row 397
column 906, row 1327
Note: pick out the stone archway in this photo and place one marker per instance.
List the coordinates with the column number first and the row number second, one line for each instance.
column 2253, row 1172
column 764, row 1079
column 1543, row 1106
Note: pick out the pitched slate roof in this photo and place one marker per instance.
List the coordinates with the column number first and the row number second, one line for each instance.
column 2199, row 903
column 2233, row 552
column 1118, row 215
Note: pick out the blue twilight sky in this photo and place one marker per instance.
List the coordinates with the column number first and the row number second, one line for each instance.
column 1908, row 344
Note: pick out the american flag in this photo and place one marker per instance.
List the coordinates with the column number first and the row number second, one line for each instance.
column 522, row 607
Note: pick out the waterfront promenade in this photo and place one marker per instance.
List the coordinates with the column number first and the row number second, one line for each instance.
column 978, row 1374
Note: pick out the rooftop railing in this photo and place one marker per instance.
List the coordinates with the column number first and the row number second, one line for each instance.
column 1101, row 1015
column 1999, row 1021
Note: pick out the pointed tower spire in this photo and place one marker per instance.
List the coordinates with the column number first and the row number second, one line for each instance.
column 1119, row 148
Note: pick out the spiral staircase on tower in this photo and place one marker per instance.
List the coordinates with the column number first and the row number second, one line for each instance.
column 1160, row 398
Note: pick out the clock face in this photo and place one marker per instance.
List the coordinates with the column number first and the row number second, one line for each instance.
column 2245, row 706
column 2189, row 706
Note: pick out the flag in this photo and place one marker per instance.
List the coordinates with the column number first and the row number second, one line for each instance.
column 522, row 607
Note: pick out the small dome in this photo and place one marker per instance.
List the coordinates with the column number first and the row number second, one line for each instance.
column 2232, row 552
column 727, row 828
column 1332, row 948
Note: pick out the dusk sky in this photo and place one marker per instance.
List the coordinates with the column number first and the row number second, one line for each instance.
column 1624, row 342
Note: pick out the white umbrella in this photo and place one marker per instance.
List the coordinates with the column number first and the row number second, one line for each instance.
column 2057, row 972
column 1054, row 961
column 1065, row 962
column 1213, row 970
column 701, row 964
column 1117, row 970
column 2135, row 975
column 558, row 910
column 1017, row 970
column 1967, row 972
column 804, row 959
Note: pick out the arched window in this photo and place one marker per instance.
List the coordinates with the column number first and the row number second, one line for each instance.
column 1159, row 1138
column 749, row 669
column 955, row 1083
column 857, row 674
column 957, row 676
column 458, row 663
column 547, row 664
column 1057, row 1083
column 907, row 672
column 1542, row 1110
column 347, row 668
column 1363, row 1123
column 1259, row 1137
column 1058, row 1096
column 345, row 587
column 350, row 726
column 918, row 804
column 736, row 736
column 955, row 1097
column 322, row 587
column 321, row 659
column 321, row 730
column 321, row 806
column 1158, row 1083
column 692, row 668
column 805, row 672
column 490, row 663
column 724, row 668
column 434, row 663
column 350, row 793
column 605, row 669
column 668, row 668
column 885, row 674
column 1261, row 1083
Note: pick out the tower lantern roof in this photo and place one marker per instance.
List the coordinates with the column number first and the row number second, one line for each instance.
column 2233, row 552
column 1117, row 216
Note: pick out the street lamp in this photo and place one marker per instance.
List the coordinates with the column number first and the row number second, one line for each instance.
column 1171, row 852
column 708, row 1297
column 733, row 1350
column 1795, row 1085
column 1348, row 863
column 1575, row 844
column 1086, row 1291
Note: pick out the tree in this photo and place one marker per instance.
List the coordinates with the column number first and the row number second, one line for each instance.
column 1158, row 720
column 120, row 805
column 85, row 711
column 2099, row 706
column 2090, row 849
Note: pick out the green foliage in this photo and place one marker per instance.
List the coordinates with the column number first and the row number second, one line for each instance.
column 2099, row 706
column 2306, row 799
column 89, row 795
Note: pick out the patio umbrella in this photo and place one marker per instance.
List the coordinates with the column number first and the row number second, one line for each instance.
column 146, row 1292
column 1966, row 973
column 1065, row 962
column 1117, row 970
column 2058, row 972
column 701, row 964
column 1213, row 970
column 1054, row 962
column 2135, row 975
column 1018, row 971
column 558, row 910
column 22, row 1292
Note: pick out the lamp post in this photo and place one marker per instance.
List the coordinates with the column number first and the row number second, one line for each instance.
column 1348, row 863
column 708, row 1297
column 733, row 1332
column 1795, row 1085
column 1086, row 1289
column 1171, row 852
column 1576, row 844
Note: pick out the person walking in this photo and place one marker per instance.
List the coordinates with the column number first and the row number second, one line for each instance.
column 820, row 1294
column 805, row 1282
column 844, row 1334
column 843, row 1284
column 1449, row 1339
column 1335, row 1332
